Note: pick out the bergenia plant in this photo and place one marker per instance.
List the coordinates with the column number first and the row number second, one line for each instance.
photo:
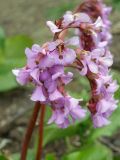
column 88, row 52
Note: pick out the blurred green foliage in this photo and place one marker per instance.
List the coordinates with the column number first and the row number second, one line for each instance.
column 50, row 157
column 115, row 4
column 3, row 156
column 93, row 151
column 58, row 11
column 11, row 56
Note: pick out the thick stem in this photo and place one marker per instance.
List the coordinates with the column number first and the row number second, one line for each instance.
column 29, row 131
column 40, row 140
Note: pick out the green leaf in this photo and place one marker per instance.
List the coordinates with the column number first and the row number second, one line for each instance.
column 74, row 155
column 94, row 151
column 15, row 46
column 52, row 133
column 7, row 79
column 50, row 157
column 7, row 82
column 12, row 57
column 2, row 38
column 10, row 64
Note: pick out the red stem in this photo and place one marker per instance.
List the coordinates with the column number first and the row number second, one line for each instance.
column 29, row 131
column 40, row 140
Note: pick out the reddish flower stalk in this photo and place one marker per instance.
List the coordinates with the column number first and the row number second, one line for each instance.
column 40, row 140
column 30, row 131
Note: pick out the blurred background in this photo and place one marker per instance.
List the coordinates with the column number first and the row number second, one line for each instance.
column 22, row 23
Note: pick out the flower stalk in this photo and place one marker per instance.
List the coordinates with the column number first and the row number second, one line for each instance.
column 29, row 131
column 40, row 133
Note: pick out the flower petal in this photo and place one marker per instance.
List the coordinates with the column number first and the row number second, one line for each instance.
column 38, row 95
column 103, row 106
column 53, row 27
column 75, row 41
column 100, row 121
column 93, row 67
column 16, row 72
column 55, row 95
column 69, row 56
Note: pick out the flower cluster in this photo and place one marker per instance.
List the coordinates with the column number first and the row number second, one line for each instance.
column 97, row 60
column 46, row 65
column 45, row 69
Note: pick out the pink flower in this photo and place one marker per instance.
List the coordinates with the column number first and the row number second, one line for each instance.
column 65, row 111
column 104, row 110
column 105, row 85
column 88, row 64
column 38, row 95
column 67, row 18
column 100, row 121
column 23, row 75
column 97, row 61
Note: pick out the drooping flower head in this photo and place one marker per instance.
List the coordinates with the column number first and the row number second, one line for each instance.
column 45, row 66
